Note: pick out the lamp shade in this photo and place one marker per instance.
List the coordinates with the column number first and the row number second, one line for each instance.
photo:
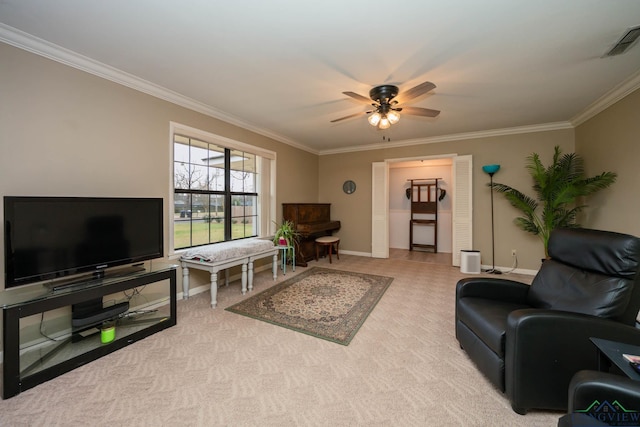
column 384, row 123
column 374, row 119
column 491, row 169
column 393, row 117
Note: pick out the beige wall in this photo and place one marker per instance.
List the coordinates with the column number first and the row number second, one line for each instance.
column 610, row 141
column 354, row 211
column 64, row 132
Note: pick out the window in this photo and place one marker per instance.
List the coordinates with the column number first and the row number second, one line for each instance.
column 217, row 190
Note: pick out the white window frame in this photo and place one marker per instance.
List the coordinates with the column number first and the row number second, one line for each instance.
column 266, row 185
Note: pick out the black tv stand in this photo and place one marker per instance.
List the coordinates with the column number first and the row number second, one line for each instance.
column 29, row 361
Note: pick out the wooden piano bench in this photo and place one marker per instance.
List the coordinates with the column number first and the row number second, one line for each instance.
column 328, row 242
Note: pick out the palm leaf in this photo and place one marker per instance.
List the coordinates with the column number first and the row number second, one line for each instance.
column 557, row 187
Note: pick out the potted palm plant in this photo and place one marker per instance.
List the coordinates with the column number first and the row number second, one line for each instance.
column 558, row 188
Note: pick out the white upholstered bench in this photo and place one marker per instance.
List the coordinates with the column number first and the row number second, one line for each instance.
column 221, row 256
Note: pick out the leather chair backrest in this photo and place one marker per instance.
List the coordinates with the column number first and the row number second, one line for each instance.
column 592, row 272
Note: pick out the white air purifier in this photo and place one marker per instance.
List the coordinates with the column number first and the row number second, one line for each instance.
column 470, row 262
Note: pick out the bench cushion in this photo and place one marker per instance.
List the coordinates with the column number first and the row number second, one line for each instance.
column 222, row 251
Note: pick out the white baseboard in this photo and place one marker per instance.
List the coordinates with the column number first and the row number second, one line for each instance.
column 365, row 254
column 484, row 267
column 508, row 270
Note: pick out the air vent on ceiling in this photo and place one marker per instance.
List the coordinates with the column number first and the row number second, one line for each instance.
column 625, row 42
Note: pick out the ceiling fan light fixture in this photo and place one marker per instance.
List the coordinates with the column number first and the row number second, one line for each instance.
column 393, row 117
column 384, row 123
column 374, row 119
column 386, row 111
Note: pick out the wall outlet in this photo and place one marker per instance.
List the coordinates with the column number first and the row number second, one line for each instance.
column 514, row 253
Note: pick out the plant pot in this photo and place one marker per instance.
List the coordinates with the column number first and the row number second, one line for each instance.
column 282, row 241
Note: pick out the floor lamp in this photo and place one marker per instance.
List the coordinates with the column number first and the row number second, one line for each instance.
column 491, row 170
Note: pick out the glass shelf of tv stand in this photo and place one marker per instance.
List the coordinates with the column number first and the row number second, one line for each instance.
column 40, row 343
column 47, row 351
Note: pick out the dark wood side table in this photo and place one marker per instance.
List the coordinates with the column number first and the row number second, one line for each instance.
column 612, row 351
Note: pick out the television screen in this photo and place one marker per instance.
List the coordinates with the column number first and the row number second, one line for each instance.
column 53, row 237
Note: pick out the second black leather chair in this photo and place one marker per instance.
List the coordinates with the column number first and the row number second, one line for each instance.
column 589, row 388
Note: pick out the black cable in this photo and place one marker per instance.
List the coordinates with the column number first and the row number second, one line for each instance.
column 42, row 332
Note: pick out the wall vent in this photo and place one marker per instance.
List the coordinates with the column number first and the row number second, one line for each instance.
column 625, row 42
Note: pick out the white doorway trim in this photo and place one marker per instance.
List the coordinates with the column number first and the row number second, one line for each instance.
column 380, row 209
column 380, row 204
column 462, row 207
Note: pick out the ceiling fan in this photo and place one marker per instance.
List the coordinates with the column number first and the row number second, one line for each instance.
column 386, row 107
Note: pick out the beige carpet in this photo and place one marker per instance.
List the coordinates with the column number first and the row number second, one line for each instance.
column 215, row 368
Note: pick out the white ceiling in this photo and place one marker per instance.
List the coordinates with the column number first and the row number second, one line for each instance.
column 279, row 67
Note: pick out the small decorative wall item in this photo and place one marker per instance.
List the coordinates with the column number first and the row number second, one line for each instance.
column 349, row 187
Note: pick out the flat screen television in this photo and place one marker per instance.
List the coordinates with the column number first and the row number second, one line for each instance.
column 48, row 238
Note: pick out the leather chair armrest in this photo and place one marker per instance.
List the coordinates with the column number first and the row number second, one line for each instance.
column 547, row 347
column 579, row 420
column 589, row 386
column 492, row 288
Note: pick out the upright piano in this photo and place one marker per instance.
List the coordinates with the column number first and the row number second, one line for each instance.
column 311, row 220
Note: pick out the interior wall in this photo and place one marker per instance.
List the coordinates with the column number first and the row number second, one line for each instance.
column 609, row 142
column 510, row 151
column 64, row 132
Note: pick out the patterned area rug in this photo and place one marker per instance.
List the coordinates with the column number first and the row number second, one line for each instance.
column 324, row 303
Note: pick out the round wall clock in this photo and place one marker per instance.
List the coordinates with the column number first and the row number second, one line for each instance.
column 349, row 187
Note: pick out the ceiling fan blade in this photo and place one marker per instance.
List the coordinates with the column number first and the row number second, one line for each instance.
column 350, row 116
column 358, row 97
column 416, row 91
column 417, row 111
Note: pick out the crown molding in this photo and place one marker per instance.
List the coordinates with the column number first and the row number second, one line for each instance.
column 20, row 39
column 607, row 100
column 455, row 137
column 30, row 43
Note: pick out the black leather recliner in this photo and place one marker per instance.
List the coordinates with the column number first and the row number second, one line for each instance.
column 529, row 341
column 589, row 387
